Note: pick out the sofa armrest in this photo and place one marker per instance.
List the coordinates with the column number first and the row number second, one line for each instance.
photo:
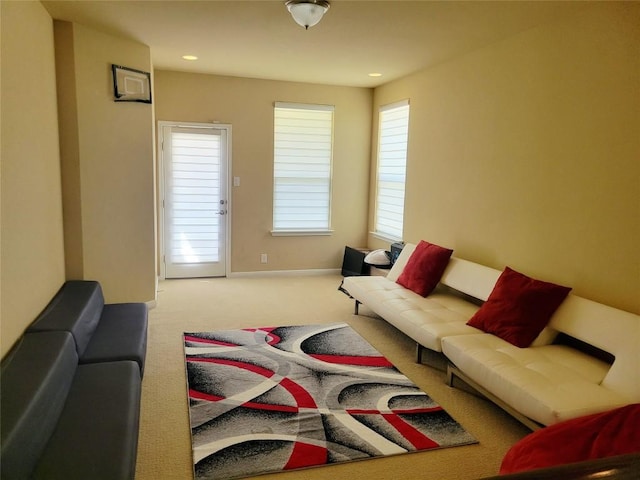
column 76, row 308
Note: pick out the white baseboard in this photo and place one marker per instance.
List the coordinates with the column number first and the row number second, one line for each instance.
column 286, row 273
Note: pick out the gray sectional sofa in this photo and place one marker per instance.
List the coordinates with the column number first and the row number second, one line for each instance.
column 71, row 389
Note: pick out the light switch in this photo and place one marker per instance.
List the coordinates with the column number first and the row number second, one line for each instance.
column 236, row 181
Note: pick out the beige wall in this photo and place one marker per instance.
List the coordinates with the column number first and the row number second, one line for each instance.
column 107, row 165
column 247, row 104
column 32, row 252
column 527, row 153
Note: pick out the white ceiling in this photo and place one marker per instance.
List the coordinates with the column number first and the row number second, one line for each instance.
column 259, row 39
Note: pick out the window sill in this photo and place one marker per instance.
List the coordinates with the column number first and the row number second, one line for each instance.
column 386, row 238
column 300, row 233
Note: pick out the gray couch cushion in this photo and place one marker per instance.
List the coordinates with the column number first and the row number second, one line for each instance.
column 97, row 434
column 76, row 308
column 120, row 335
column 36, row 377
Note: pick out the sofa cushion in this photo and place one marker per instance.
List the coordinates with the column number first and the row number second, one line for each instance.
column 76, row 308
column 610, row 329
column 519, row 307
column 426, row 320
column 120, row 335
column 547, row 384
column 425, row 268
column 600, row 435
column 97, row 433
column 36, row 377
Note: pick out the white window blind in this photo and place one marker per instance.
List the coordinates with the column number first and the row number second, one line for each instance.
column 195, row 200
column 392, row 160
column 303, row 140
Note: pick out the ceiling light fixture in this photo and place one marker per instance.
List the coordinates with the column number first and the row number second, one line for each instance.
column 189, row 57
column 307, row 13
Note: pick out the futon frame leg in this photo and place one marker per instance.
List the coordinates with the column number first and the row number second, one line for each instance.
column 357, row 305
column 419, row 353
column 450, row 375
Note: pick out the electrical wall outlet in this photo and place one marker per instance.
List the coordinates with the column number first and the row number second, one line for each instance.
column 263, row 258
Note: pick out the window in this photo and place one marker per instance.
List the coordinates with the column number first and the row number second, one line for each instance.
column 303, row 141
column 392, row 160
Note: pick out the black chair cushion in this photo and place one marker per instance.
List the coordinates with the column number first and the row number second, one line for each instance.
column 97, row 433
column 120, row 335
column 36, row 377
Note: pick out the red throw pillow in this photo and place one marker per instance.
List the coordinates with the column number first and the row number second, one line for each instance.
column 599, row 435
column 424, row 268
column 518, row 308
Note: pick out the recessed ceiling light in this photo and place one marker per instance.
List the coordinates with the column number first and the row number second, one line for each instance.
column 189, row 57
column 375, row 74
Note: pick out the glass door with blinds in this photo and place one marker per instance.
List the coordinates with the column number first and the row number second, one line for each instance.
column 195, row 162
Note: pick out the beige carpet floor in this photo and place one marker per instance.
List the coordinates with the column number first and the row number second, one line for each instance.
column 164, row 450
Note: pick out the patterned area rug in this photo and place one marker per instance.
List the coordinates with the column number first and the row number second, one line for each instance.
column 263, row 400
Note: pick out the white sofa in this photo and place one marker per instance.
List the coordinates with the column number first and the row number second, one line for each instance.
column 595, row 368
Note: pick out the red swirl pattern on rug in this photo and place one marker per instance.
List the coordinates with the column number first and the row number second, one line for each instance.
column 262, row 400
